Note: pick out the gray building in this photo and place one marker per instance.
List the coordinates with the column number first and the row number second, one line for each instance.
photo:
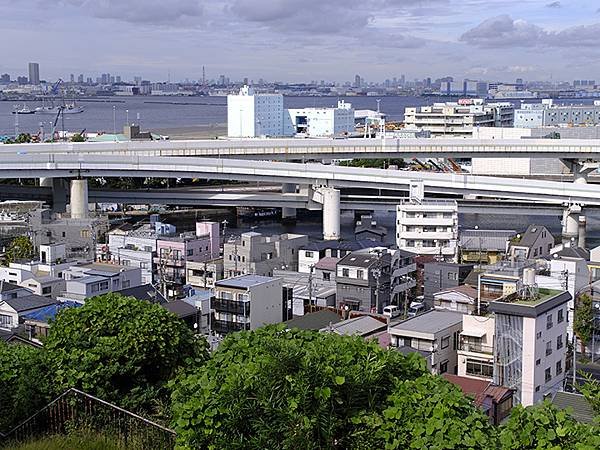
column 439, row 276
column 404, row 276
column 90, row 280
column 34, row 73
column 548, row 114
column 363, row 281
column 253, row 253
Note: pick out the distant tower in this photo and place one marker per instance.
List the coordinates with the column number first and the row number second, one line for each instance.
column 34, row 73
column 203, row 76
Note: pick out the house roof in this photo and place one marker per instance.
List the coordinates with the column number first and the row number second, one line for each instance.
column 314, row 321
column 327, row 263
column 486, row 240
column 13, row 338
column 469, row 291
column 359, row 259
column 180, row 308
column 431, row 322
column 406, row 350
column 531, row 235
column 574, row 252
column 5, row 286
column 473, row 278
column 580, row 408
column 360, row 326
column 342, row 245
column 146, row 292
column 50, row 312
column 29, row 302
column 244, row 281
column 479, row 389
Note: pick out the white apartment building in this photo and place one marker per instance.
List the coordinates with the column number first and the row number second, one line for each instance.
column 460, row 119
column 531, row 344
column 250, row 114
column 320, row 122
column 476, row 347
column 134, row 248
column 428, row 227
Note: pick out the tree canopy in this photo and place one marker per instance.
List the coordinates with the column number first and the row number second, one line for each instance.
column 121, row 349
column 20, row 247
column 583, row 321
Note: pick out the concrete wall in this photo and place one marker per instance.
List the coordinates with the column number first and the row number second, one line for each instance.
column 266, row 304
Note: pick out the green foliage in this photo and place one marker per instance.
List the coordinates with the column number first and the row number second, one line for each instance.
column 591, row 391
column 22, row 383
column 427, row 412
column 273, row 388
column 79, row 441
column 584, row 315
column 120, row 349
column 544, row 427
column 23, row 138
column 374, row 163
column 19, row 248
column 77, row 138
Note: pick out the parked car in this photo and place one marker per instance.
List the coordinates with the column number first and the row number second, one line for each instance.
column 415, row 309
column 391, row 311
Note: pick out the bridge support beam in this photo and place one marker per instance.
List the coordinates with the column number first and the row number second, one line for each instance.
column 79, row 199
column 582, row 225
column 288, row 215
column 331, row 213
column 59, row 192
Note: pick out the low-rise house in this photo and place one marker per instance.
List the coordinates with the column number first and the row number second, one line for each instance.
column 247, row 302
column 306, row 291
column 577, row 406
column 145, row 292
column 461, row 299
column 535, row 242
column 435, row 333
column 204, row 274
column 363, row 326
column 440, row 276
column 484, row 246
column 363, row 281
column 13, row 309
column 90, row 280
column 310, row 254
column 37, row 322
column 314, row 321
column 325, row 269
column 495, row 401
column 367, row 228
column 185, row 312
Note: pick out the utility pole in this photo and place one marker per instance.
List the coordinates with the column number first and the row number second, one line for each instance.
column 310, row 287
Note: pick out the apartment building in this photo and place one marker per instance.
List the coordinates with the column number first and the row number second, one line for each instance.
column 90, row 280
column 531, row 343
column 403, row 277
column 247, row 302
column 363, row 281
column 476, row 347
column 313, row 252
column 253, row 253
column 428, row 227
column 134, row 247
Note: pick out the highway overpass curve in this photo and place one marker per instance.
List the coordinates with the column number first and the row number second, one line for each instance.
column 319, row 149
column 66, row 166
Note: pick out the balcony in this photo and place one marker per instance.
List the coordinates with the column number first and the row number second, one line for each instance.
column 475, row 347
column 402, row 271
column 428, row 235
column 230, row 306
column 428, row 221
column 169, row 262
column 224, row 327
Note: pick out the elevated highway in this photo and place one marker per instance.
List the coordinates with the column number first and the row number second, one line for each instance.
column 328, row 149
column 66, row 166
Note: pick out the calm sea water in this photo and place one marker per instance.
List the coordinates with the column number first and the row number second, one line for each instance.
column 170, row 113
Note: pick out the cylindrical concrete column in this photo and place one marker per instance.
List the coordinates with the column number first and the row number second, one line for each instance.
column 331, row 214
column 79, row 199
column 580, row 177
column 288, row 215
column 582, row 226
column 571, row 227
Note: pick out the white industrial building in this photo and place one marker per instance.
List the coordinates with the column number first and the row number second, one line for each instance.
column 320, row 122
column 460, row 119
column 250, row 114
column 548, row 114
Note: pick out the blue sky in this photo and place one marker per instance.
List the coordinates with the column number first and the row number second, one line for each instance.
column 303, row 40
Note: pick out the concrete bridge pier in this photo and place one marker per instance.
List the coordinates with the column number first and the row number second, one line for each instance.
column 59, row 192
column 582, row 225
column 288, row 215
column 331, row 213
column 79, row 199
column 570, row 224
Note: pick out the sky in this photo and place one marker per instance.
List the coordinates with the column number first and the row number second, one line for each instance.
column 303, row 40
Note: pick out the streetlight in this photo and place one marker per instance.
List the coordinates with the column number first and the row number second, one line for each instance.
column 127, row 115
column 115, row 121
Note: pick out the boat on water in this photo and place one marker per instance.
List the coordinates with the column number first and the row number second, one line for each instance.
column 23, row 110
column 67, row 108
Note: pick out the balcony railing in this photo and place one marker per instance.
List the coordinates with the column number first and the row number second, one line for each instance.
column 224, row 327
column 230, row 306
column 476, row 348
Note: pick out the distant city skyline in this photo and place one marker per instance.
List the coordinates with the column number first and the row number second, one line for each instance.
column 278, row 40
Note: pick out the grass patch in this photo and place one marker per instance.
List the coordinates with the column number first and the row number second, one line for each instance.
column 75, row 441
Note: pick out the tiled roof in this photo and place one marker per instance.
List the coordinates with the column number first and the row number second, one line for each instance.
column 29, row 302
column 314, row 321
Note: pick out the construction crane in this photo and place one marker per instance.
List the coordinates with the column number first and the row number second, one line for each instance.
column 55, row 86
column 58, row 115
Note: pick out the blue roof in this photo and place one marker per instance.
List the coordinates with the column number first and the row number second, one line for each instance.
column 49, row 312
column 244, row 281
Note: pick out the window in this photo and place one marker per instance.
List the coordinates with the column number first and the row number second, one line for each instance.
column 444, row 367
column 143, row 265
column 126, row 284
column 560, row 316
column 549, row 323
column 548, row 348
column 480, row 368
column 147, row 248
column 547, row 374
column 360, row 274
column 5, row 321
column 445, row 341
column 538, row 362
column 326, row 276
column 345, row 272
column 47, row 290
column 559, row 342
column 309, row 254
column 452, row 275
column 104, row 285
column 85, row 234
column 190, row 252
column 558, row 367
column 538, row 335
column 537, row 389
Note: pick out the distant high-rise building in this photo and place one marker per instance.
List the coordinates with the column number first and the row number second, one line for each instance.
column 22, row 80
column 137, row 80
column 245, row 81
column 89, row 80
column 34, row 73
column 118, row 79
column 111, row 80
column 80, row 78
column 402, row 80
column 519, row 81
column 357, row 81
column 5, row 78
column 72, row 78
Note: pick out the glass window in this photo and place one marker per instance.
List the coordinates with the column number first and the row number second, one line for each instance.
column 445, row 341
column 309, row 254
column 360, row 274
column 558, row 367
column 559, row 342
column 444, row 367
column 549, row 323
column 345, row 272
column 480, row 368
column 548, row 348
column 548, row 374
column 561, row 316
column 190, row 252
